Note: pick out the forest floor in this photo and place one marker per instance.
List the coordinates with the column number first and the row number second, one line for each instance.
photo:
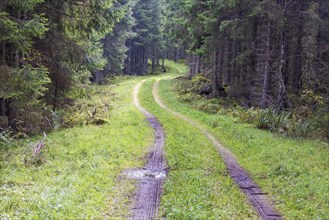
column 85, row 172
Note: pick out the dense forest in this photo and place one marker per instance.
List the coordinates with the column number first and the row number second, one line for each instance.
column 267, row 54
column 50, row 50
column 264, row 51
column 164, row 109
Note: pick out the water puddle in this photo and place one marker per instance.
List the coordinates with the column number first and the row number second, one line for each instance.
column 141, row 174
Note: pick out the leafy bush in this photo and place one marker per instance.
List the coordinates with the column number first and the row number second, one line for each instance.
column 271, row 119
column 249, row 115
column 321, row 121
column 301, row 128
column 6, row 137
column 199, row 85
column 92, row 110
column 189, row 97
column 208, row 106
column 301, row 122
column 311, row 99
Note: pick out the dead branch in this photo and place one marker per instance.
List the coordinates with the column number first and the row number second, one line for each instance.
column 40, row 145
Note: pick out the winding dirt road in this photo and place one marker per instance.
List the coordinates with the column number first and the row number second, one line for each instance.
column 153, row 174
column 258, row 199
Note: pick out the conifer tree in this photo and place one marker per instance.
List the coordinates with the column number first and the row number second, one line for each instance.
column 23, row 78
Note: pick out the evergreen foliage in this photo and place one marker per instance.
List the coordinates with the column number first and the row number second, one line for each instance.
column 264, row 53
column 49, row 49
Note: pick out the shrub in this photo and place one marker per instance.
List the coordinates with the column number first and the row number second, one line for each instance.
column 300, row 128
column 310, row 119
column 320, row 122
column 271, row 119
column 6, row 137
column 249, row 115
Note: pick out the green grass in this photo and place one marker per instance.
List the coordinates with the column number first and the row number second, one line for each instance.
column 198, row 186
column 78, row 173
column 295, row 172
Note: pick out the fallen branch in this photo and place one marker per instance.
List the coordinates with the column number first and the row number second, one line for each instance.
column 40, row 145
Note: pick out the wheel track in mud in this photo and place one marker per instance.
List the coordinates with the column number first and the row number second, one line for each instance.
column 258, row 199
column 149, row 192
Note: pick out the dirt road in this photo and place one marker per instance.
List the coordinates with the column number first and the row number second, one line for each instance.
column 257, row 198
column 151, row 178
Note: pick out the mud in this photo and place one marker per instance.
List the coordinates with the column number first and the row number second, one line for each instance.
column 151, row 178
column 258, row 199
column 142, row 174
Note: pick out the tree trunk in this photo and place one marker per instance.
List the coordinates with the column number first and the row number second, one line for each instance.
column 127, row 68
column 163, row 66
column 10, row 113
column 146, row 57
column 176, row 54
column 282, row 94
column 154, row 60
column 228, row 63
column 55, row 97
column 264, row 101
column 283, row 100
column 310, row 49
column 157, row 61
column 3, row 53
column 197, row 64
column 153, row 64
column 2, row 107
column 297, row 61
column 234, row 84
column 233, row 73
column 215, row 74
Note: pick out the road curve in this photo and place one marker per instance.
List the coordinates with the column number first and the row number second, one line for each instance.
column 258, row 199
column 149, row 192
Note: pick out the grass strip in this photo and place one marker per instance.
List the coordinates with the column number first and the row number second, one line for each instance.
column 198, row 186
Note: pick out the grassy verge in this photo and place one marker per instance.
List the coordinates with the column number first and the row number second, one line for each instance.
column 295, row 172
column 198, row 186
column 77, row 174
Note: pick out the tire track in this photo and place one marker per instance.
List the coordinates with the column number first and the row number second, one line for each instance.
column 149, row 192
column 258, row 199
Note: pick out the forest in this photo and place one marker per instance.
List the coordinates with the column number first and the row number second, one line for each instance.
column 249, row 79
column 265, row 54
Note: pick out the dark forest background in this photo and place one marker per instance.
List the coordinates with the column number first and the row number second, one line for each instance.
column 265, row 54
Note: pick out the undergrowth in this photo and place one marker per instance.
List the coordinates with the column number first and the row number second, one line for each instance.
column 90, row 104
column 310, row 119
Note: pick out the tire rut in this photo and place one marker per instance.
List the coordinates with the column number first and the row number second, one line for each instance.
column 258, row 199
column 150, row 187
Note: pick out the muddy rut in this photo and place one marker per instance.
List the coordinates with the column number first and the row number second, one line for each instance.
column 151, row 177
column 258, row 199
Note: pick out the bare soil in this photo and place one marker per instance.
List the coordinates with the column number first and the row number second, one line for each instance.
column 258, row 199
column 151, row 178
